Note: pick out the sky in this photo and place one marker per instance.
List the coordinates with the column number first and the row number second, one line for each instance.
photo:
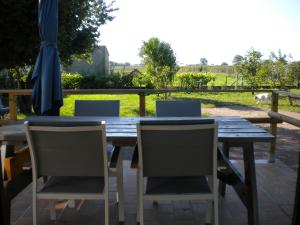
column 213, row 29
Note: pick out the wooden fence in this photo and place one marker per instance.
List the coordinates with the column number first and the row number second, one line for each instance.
column 142, row 93
column 12, row 94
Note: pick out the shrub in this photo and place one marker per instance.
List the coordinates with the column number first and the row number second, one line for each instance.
column 89, row 82
column 71, row 81
column 127, row 81
column 77, row 81
column 192, row 80
column 142, row 80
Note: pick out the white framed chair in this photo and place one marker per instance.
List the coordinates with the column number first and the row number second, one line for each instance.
column 178, row 108
column 73, row 157
column 107, row 108
column 177, row 160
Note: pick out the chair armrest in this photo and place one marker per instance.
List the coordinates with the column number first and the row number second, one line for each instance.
column 114, row 157
column 135, row 158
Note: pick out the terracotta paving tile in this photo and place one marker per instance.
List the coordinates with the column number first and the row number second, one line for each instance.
column 276, row 183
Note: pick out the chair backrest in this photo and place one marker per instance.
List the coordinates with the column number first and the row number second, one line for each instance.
column 67, row 148
column 97, row 108
column 177, row 148
column 180, row 108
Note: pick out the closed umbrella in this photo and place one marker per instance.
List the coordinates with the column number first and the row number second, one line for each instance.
column 47, row 93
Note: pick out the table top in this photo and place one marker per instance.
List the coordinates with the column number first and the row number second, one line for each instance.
column 231, row 129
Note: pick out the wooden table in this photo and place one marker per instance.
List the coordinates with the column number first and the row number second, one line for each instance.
column 233, row 132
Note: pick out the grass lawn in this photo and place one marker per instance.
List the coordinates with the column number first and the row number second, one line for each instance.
column 130, row 103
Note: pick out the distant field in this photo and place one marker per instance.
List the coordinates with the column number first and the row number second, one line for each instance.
column 192, row 68
column 222, row 79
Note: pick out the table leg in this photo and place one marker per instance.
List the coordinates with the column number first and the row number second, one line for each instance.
column 222, row 185
column 250, row 182
column 296, row 215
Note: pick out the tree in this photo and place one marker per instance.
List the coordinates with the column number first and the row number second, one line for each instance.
column 79, row 22
column 250, row 66
column 78, row 33
column 237, row 60
column 278, row 69
column 224, row 64
column 203, row 61
column 160, row 61
column 294, row 72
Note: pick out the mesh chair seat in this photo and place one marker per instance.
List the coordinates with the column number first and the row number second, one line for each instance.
column 73, row 184
column 177, row 185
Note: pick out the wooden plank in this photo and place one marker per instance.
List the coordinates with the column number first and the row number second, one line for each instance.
column 285, row 118
column 142, row 104
column 223, row 156
column 250, row 182
column 125, row 128
column 262, row 120
column 120, row 126
column 237, row 130
column 235, row 126
column 240, row 127
column 132, row 130
column 14, row 164
column 137, row 91
column 12, row 106
column 288, row 94
column 247, row 135
column 273, row 127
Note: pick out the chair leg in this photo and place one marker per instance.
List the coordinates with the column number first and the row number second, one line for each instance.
column 209, row 213
column 137, row 199
column 216, row 210
column 34, row 209
column 120, row 190
column 140, row 201
column 141, row 209
column 106, row 211
column 52, row 204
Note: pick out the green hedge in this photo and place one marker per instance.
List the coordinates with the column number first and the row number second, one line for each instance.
column 193, row 80
column 77, row 81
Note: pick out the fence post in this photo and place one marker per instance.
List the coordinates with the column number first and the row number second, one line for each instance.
column 12, row 106
column 273, row 127
column 142, row 103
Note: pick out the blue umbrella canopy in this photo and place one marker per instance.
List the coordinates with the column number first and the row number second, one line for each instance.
column 47, row 93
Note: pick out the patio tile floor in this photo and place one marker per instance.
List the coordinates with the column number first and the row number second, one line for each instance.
column 276, row 186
